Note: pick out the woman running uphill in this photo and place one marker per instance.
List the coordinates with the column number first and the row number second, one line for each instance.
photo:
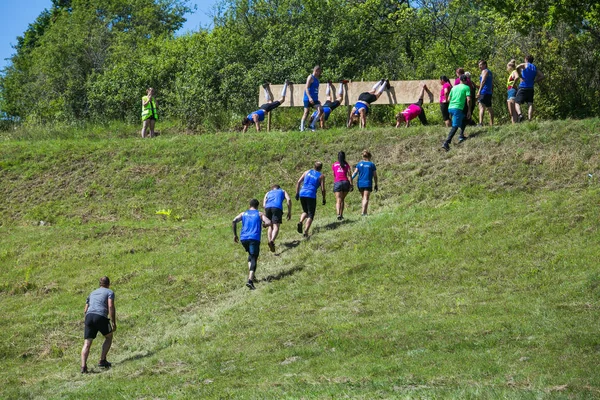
column 342, row 183
column 361, row 108
column 367, row 172
column 310, row 180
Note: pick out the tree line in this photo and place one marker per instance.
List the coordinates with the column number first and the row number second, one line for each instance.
column 91, row 60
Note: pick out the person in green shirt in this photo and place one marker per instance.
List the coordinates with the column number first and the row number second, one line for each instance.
column 149, row 113
column 459, row 107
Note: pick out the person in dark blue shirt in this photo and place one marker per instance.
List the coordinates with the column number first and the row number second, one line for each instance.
column 367, row 174
column 259, row 115
column 310, row 180
column 252, row 220
column 484, row 95
column 273, row 204
column 311, row 97
column 529, row 75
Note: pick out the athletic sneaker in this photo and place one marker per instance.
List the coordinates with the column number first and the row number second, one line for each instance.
column 288, row 82
column 462, row 139
column 84, row 370
column 301, row 129
column 250, row 285
column 446, row 146
column 340, row 218
column 299, row 227
column 272, row 247
column 104, row 364
column 305, row 234
column 520, row 118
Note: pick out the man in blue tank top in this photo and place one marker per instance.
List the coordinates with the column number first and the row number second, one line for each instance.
column 310, row 180
column 484, row 94
column 529, row 75
column 311, row 97
column 250, row 236
column 273, row 204
column 259, row 115
column 99, row 306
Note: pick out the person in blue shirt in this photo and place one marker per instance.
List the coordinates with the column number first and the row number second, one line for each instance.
column 529, row 75
column 258, row 116
column 311, row 97
column 100, row 316
column 273, row 205
column 310, row 180
column 252, row 220
column 367, row 174
column 329, row 105
column 484, row 94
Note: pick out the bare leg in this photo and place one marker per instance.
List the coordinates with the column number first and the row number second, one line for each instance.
column 307, row 225
column 365, row 201
column 343, row 203
column 530, row 112
column 269, row 232
column 491, row 112
column 106, row 346
column 152, row 122
column 303, row 118
column 481, row 112
column 274, row 231
column 85, row 351
column 145, row 127
column 512, row 111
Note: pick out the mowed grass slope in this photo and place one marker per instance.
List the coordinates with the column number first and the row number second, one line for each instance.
column 475, row 276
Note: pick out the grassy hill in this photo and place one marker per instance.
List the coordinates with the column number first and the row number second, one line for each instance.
column 475, row 276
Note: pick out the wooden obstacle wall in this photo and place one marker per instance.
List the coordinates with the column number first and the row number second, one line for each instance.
column 401, row 92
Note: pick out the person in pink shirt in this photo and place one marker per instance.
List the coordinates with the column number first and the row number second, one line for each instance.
column 342, row 183
column 414, row 110
column 444, row 99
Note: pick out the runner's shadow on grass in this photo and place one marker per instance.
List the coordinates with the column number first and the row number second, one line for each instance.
column 283, row 274
column 333, row 225
column 288, row 246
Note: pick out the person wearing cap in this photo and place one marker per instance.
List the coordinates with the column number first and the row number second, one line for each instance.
column 460, row 101
column 529, row 76
column 99, row 306
column 361, row 108
column 414, row 110
column 484, row 94
column 259, row 115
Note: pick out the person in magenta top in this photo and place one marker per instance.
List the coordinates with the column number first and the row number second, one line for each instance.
column 342, row 183
column 444, row 99
column 414, row 110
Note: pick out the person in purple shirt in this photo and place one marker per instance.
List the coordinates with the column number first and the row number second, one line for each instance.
column 99, row 306
column 484, row 95
column 529, row 75
column 250, row 236
column 273, row 204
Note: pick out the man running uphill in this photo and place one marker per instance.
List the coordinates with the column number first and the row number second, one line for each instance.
column 329, row 105
column 259, row 115
column 250, row 236
column 311, row 97
column 310, row 180
column 99, row 305
column 414, row 110
column 361, row 108
column 273, row 204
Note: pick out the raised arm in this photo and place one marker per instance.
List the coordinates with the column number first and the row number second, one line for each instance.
column 234, row 227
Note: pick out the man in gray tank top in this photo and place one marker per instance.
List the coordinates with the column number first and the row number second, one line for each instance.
column 99, row 306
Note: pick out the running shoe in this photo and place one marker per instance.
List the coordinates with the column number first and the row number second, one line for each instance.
column 299, row 227
column 520, row 118
column 272, row 247
column 84, row 370
column 462, row 139
column 104, row 364
column 446, row 146
column 250, row 285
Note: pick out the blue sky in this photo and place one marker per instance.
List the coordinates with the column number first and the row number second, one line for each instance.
column 15, row 17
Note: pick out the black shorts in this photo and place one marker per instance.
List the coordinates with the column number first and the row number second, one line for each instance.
column 367, row 97
column 341, row 186
column 524, row 95
column 332, row 105
column 95, row 323
column 274, row 214
column 419, row 103
column 486, row 99
column 444, row 110
column 368, row 189
column 309, row 206
column 270, row 106
column 252, row 247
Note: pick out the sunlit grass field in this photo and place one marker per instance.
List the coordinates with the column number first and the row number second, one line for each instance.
column 475, row 276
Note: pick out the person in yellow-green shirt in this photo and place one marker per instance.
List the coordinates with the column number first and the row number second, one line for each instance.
column 149, row 113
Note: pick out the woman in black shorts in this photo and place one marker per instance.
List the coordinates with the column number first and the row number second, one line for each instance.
column 342, row 183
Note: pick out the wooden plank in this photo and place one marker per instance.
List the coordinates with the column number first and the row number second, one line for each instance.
column 401, row 92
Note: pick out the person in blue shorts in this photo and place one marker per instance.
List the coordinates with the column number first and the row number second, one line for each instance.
column 311, row 97
column 252, row 220
column 310, row 181
column 100, row 316
column 367, row 174
column 329, row 105
column 273, row 204
column 361, row 108
column 258, row 116
column 529, row 76
column 484, row 95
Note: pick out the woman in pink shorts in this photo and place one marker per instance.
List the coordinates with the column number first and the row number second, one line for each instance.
column 342, row 183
